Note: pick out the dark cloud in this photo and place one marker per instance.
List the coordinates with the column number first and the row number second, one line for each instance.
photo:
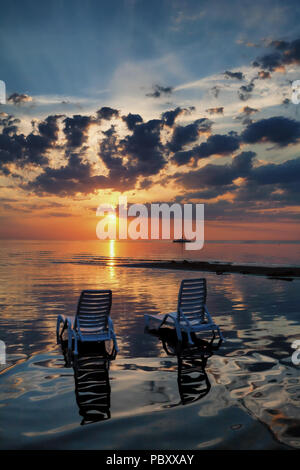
column 146, row 184
column 111, row 154
column 263, row 75
column 245, row 114
column 8, row 120
column 216, row 144
column 269, row 186
column 217, row 175
column 140, row 154
column 270, row 62
column 279, row 130
column 244, row 92
column 9, row 123
column 236, row 75
column 76, row 130
column 184, row 157
column 107, row 113
column 183, row 135
column 247, row 110
column 284, row 53
column 75, row 177
column 19, row 98
column 283, row 173
column 144, row 148
column 49, row 128
column 159, row 91
column 169, row 117
column 218, row 110
column 132, row 120
column 26, row 150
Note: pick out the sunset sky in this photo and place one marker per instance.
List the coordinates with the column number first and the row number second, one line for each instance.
column 161, row 101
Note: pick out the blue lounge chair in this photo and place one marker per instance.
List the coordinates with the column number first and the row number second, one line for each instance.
column 192, row 315
column 92, row 321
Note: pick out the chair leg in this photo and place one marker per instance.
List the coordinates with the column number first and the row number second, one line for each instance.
column 220, row 334
column 213, row 337
column 75, row 345
column 190, row 338
column 57, row 330
column 178, row 331
column 115, row 343
column 70, row 338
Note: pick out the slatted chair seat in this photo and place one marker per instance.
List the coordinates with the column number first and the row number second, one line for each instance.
column 92, row 321
column 192, row 314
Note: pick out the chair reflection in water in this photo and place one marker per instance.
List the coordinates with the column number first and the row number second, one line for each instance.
column 92, row 385
column 192, row 379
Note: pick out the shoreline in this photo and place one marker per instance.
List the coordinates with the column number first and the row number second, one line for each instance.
column 285, row 272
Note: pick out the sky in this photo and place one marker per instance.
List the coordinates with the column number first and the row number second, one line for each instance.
column 161, row 101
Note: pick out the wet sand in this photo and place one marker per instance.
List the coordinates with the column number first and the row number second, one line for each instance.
column 286, row 272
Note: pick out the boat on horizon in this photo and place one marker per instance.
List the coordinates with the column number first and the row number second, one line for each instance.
column 182, row 240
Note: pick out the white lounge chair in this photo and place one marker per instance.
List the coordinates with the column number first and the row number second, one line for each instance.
column 92, row 321
column 192, row 315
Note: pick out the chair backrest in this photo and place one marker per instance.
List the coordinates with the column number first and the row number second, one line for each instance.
column 192, row 298
column 93, row 310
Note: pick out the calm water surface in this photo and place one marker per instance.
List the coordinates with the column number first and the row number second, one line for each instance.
column 244, row 395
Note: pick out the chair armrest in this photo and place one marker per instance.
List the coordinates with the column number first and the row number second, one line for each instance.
column 182, row 315
column 208, row 314
column 110, row 324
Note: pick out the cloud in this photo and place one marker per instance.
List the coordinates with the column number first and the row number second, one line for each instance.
column 215, row 91
column 75, row 177
column 244, row 92
column 140, row 154
column 132, row 120
column 283, row 53
column 269, row 186
column 169, row 117
column 49, row 128
column 248, row 110
column 245, row 114
column 216, row 144
column 218, row 110
column 183, row 135
column 26, row 150
column 235, row 75
column 144, row 148
column 263, row 75
column 107, row 113
column 19, row 98
column 279, row 130
column 217, row 175
column 76, row 129
column 159, row 91
column 283, row 173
